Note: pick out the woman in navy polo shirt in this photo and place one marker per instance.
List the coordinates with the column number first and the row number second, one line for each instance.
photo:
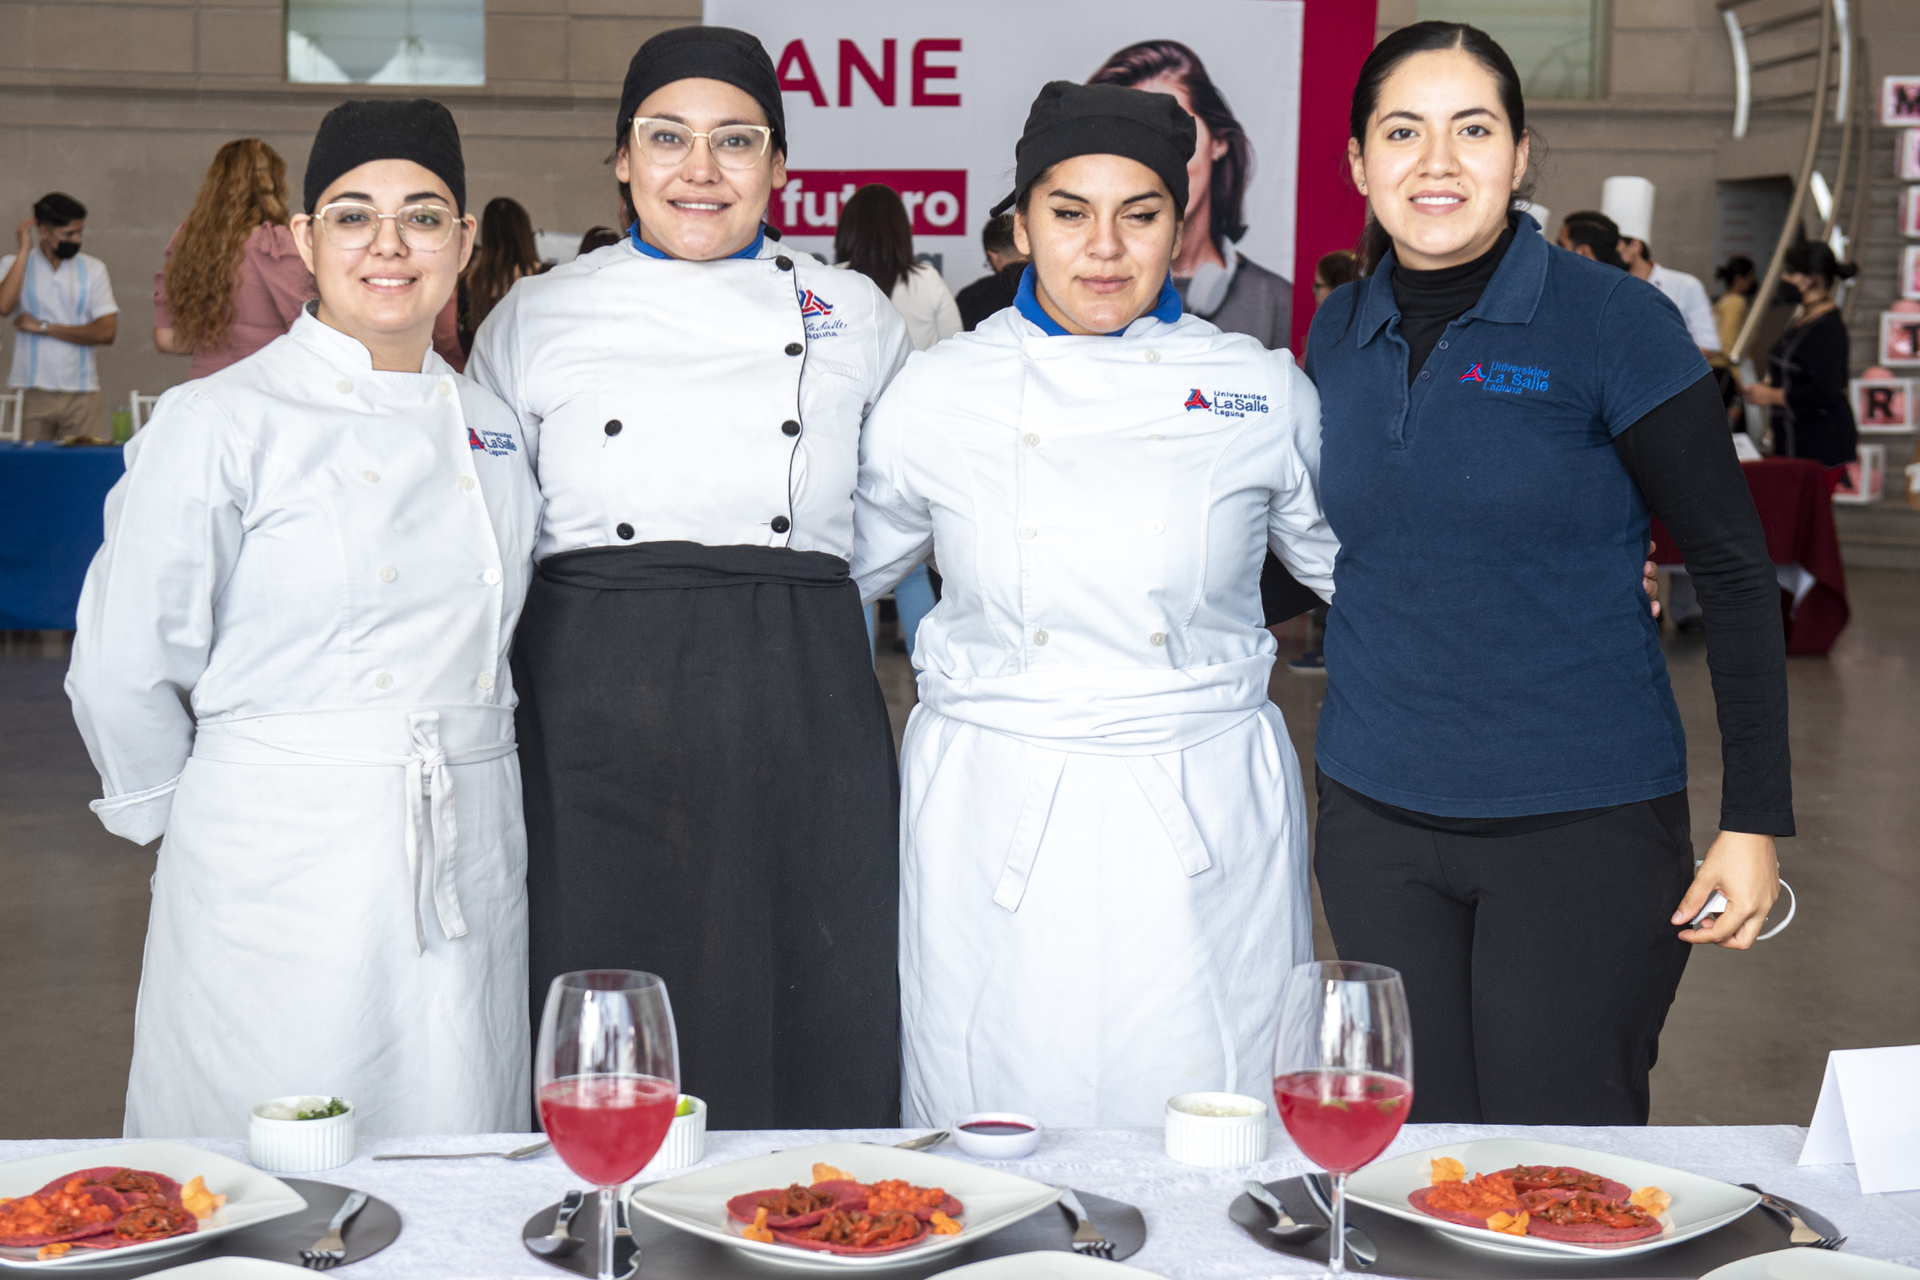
column 1503, row 804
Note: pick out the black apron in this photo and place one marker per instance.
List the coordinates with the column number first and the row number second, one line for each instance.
column 712, row 795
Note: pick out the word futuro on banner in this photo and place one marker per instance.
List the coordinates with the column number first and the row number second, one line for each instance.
column 810, row 203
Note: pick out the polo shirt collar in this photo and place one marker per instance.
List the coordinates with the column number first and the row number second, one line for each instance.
column 751, row 251
column 1166, row 308
column 1511, row 297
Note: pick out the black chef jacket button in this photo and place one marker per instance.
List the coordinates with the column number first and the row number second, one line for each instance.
column 613, row 426
column 791, row 427
column 625, row 531
column 794, row 348
column 781, row 524
column 783, row 262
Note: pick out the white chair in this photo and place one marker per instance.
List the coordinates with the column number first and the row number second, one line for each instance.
column 13, row 414
column 141, row 407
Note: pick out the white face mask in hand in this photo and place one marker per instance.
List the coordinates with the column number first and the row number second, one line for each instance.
column 1718, row 903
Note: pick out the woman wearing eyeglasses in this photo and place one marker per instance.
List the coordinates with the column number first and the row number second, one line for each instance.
column 710, row 781
column 292, row 664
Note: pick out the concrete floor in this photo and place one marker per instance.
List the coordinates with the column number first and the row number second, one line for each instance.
column 1746, row 1042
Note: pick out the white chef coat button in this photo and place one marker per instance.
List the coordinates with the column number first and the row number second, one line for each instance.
column 387, row 574
column 1039, row 637
column 371, row 477
column 1154, row 526
column 343, row 386
column 1027, row 532
column 1157, row 638
column 446, row 388
column 466, row 482
column 486, row 680
column 1156, row 436
column 491, row 577
column 1033, row 439
column 1153, row 357
column 383, row 681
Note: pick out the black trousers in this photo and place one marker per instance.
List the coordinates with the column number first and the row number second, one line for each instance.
column 1539, row 966
column 711, row 795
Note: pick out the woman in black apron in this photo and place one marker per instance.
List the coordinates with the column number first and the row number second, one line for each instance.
column 710, row 782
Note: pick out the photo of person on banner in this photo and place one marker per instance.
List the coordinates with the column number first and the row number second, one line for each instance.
column 1215, row 280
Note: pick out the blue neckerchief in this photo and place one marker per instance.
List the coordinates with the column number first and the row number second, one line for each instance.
column 1166, row 308
column 751, row 251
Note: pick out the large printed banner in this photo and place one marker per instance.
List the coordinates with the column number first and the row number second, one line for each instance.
column 929, row 96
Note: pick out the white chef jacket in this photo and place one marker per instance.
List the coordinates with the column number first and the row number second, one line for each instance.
column 710, row 402
column 291, row 659
column 76, row 291
column 1687, row 293
column 1103, row 831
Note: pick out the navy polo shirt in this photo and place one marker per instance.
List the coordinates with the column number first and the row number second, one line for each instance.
column 1490, row 652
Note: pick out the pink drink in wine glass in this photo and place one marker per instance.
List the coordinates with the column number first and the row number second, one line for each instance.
column 608, row 1127
column 1341, row 1120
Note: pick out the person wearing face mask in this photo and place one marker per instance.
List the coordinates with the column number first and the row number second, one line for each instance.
column 709, row 769
column 1806, row 385
column 69, row 310
column 1501, row 763
column 291, row 668
column 1102, row 836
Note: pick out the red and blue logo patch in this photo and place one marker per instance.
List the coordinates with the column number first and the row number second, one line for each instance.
column 1195, row 400
column 1475, row 374
column 474, row 441
column 812, row 304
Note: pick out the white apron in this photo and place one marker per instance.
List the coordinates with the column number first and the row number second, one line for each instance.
column 1104, row 875
column 291, row 662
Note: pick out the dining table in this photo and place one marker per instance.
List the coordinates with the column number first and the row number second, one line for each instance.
column 50, row 526
column 462, row 1218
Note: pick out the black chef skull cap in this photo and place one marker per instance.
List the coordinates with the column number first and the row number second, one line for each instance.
column 1069, row 120
column 705, row 53
column 362, row 130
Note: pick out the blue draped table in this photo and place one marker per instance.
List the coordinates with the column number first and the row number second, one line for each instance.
column 50, row 526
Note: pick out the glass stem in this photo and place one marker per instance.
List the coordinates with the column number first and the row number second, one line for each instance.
column 606, row 1232
column 1337, row 1250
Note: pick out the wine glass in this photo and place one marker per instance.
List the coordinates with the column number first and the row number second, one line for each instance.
column 607, row 1079
column 1343, row 1072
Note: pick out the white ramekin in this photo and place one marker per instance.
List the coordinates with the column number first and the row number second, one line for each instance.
column 1216, row 1142
column 301, row 1146
column 686, row 1141
column 997, row 1146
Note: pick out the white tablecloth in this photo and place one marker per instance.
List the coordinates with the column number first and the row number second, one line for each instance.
column 463, row 1217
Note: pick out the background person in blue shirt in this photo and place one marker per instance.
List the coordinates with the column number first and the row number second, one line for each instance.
column 1503, row 807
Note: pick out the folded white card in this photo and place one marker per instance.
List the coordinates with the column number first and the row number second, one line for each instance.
column 1869, row 1116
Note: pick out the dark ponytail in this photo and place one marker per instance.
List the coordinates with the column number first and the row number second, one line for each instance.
column 1812, row 258
column 1427, row 37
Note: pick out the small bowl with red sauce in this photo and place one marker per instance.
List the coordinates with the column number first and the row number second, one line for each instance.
column 997, row 1135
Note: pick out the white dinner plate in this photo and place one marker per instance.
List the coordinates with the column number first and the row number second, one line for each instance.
column 1047, row 1266
column 697, row 1202
column 1810, row 1264
column 1699, row 1205
column 252, row 1197
column 233, row 1269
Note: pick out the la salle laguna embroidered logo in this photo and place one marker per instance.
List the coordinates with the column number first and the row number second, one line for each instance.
column 1508, row 379
column 817, row 314
column 493, row 442
column 1226, row 404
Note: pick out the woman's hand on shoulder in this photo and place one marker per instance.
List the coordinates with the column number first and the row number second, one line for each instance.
column 1745, row 868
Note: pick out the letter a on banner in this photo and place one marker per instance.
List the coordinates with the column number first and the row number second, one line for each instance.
column 795, row 74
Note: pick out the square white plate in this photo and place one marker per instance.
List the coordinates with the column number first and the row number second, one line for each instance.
column 1047, row 1266
column 1810, row 1264
column 697, row 1202
column 252, row 1197
column 1699, row 1205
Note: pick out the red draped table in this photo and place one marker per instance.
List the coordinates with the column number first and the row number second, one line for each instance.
column 1796, row 511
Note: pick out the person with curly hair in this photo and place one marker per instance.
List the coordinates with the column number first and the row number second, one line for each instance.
column 232, row 281
column 507, row 252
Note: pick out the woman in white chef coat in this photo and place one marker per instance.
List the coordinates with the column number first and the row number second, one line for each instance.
column 292, row 658
column 1104, row 867
column 710, row 780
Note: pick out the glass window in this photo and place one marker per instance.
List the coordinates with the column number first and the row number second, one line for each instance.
column 384, row 42
column 1552, row 42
